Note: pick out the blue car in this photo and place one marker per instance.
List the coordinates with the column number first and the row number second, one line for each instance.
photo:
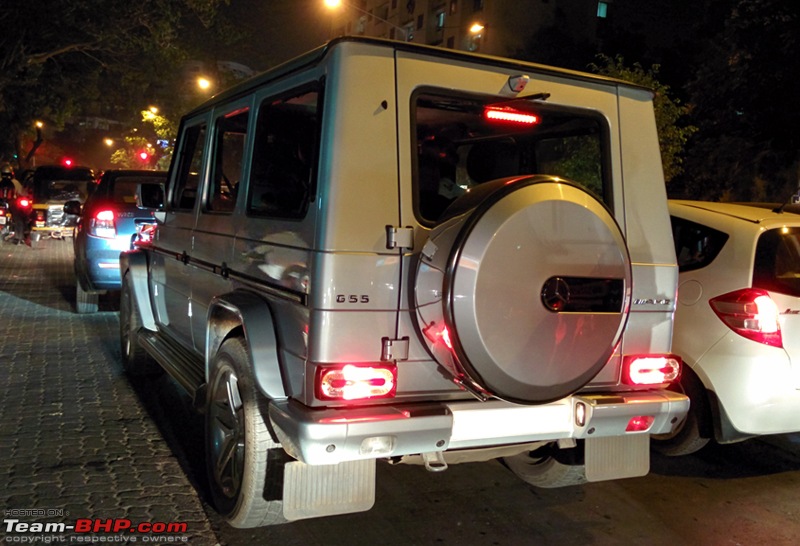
column 119, row 212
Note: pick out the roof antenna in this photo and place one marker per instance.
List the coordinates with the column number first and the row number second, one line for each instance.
column 793, row 200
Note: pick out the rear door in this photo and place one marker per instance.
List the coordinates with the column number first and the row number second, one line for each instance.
column 174, row 245
column 215, row 229
column 777, row 269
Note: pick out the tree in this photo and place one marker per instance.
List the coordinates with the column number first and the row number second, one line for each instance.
column 90, row 57
column 673, row 132
column 745, row 105
column 138, row 151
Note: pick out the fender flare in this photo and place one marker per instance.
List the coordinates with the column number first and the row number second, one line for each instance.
column 135, row 263
column 241, row 309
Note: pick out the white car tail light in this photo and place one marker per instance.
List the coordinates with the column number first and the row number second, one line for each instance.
column 751, row 313
column 650, row 369
column 356, row 382
column 103, row 225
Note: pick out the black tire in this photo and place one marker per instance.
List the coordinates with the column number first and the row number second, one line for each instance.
column 541, row 469
column 692, row 434
column 135, row 360
column 238, row 441
column 85, row 302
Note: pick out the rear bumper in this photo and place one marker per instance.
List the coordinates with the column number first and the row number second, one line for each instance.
column 332, row 436
column 756, row 386
column 102, row 261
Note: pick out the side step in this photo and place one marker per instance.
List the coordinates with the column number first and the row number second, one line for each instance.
column 184, row 366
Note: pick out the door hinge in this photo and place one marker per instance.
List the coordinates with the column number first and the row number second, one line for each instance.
column 394, row 349
column 399, row 237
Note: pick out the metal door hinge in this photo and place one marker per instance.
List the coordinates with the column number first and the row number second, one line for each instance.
column 394, row 349
column 399, row 237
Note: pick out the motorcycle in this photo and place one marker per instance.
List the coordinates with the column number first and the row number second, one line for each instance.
column 6, row 226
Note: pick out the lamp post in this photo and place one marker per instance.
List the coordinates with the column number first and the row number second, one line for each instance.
column 476, row 31
column 203, row 83
column 336, row 4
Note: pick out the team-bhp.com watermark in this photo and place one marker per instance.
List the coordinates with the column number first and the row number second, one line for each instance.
column 23, row 526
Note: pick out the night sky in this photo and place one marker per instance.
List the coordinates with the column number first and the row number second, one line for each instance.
column 280, row 29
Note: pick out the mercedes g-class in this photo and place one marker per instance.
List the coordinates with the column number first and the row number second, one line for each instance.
column 385, row 251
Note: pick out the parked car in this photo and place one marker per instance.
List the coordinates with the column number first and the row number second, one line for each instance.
column 355, row 263
column 51, row 186
column 111, row 221
column 737, row 323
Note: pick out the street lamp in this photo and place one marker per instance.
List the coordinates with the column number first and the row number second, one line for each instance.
column 336, row 4
column 476, row 31
column 203, row 83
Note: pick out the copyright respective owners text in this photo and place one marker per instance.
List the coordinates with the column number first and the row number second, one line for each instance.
column 56, row 526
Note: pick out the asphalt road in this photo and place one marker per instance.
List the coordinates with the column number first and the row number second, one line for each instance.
column 80, row 441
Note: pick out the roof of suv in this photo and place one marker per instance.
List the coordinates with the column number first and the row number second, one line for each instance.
column 750, row 212
column 315, row 55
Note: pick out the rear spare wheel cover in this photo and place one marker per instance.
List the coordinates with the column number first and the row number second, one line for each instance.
column 533, row 286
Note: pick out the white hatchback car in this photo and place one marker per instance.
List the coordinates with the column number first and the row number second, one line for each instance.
column 737, row 322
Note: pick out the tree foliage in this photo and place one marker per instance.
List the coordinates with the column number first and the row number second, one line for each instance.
column 745, row 103
column 89, row 57
column 673, row 131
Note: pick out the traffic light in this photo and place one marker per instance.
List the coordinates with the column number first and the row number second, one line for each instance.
column 143, row 155
column 67, row 161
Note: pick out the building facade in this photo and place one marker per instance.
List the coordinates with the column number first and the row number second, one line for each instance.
column 494, row 27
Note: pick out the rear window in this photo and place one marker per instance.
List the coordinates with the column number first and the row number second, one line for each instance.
column 463, row 141
column 696, row 245
column 777, row 261
column 126, row 188
column 62, row 190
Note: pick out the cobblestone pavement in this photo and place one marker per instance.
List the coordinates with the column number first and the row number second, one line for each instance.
column 78, row 439
column 75, row 437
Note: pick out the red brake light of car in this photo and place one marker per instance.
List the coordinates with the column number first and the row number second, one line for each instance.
column 510, row 115
column 650, row 369
column 751, row 313
column 356, row 382
column 102, row 224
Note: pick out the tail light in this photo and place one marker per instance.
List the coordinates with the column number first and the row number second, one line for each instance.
column 650, row 369
column 23, row 202
column 146, row 234
column 356, row 382
column 102, row 224
column 751, row 313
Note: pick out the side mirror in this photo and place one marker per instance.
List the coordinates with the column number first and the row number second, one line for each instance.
column 150, row 196
column 73, row 208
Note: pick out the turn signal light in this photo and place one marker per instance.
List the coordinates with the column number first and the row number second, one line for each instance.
column 650, row 369
column 356, row 382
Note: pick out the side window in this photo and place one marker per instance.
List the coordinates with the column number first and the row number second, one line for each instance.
column 190, row 165
column 696, row 245
column 283, row 168
column 777, row 261
column 226, row 170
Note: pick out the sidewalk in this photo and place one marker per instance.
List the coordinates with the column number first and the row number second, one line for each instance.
column 75, row 438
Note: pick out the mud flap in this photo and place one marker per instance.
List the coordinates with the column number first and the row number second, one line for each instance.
column 617, row 457
column 327, row 490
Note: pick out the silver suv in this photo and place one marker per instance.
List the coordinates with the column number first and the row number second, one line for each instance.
column 382, row 251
